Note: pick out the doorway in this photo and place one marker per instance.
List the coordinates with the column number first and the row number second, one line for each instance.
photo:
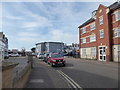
column 102, row 53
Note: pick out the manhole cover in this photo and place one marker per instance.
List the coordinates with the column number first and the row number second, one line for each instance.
column 37, row 81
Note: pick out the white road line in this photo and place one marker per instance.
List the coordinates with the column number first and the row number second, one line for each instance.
column 72, row 82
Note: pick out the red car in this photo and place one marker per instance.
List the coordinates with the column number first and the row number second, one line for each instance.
column 55, row 59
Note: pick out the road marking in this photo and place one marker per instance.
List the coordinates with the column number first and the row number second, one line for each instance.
column 71, row 82
column 68, row 80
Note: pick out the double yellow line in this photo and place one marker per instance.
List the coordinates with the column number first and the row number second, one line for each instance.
column 70, row 81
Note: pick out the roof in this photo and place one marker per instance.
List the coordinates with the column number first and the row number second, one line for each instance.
column 54, row 42
column 50, row 42
column 39, row 43
column 87, row 22
column 112, row 7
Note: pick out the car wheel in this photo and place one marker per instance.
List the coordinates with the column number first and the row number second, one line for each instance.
column 51, row 64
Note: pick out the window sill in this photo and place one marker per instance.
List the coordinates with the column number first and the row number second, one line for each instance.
column 116, row 37
column 83, row 33
column 115, row 21
column 101, row 24
column 92, row 42
column 83, row 43
column 102, row 38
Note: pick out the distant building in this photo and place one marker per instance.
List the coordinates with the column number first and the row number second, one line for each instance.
column 100, row 35
column 15, row 51
column 49, row 47
column 40, row 47
column 72, row 49
column 3, row 45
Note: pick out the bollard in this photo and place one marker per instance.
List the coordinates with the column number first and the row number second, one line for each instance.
column 30, row 60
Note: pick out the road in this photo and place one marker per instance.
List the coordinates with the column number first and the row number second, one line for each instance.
column 77, row 74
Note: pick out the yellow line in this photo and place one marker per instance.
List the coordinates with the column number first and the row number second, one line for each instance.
column 68, row 80
column 72, row 82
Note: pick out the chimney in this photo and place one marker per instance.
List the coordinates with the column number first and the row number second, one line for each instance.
column 1, row 35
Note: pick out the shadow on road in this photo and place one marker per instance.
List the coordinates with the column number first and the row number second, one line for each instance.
column 69, row 65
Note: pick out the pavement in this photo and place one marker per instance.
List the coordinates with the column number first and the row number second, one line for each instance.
column 44, row 76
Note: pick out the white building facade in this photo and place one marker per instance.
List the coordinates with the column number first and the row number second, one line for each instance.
column 3, row 45
column 49, row 47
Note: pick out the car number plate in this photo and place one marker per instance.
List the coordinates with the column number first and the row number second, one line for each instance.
column 59, row 62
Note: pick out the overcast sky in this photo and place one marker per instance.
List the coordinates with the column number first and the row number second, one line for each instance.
column 27, row 23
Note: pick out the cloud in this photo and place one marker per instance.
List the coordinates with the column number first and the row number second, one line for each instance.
column 0, row 17
column 59, row 35
column 38, row 21
column 28, row 34
column 14, row 17
column 30, row 23
column 28, row 39
column 57, row 1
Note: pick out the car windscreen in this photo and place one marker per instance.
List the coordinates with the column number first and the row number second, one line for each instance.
column 14, row 53
column 56, row 55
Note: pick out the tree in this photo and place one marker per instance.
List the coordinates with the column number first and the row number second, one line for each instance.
column 23, row 51
column 33, row 49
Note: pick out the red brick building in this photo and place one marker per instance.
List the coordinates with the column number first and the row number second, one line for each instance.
column 100, row 35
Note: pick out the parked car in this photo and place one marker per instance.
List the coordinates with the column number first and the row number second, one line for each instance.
column 46, row 57
column 56, row 59
column 6, row 56
column 40, row 55
column 14, row 55
column 34, row 54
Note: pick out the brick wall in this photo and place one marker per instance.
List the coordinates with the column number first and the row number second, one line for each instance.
column 109, row 23
column 18, row 82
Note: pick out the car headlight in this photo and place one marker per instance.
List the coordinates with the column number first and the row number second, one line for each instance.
column 54, row 60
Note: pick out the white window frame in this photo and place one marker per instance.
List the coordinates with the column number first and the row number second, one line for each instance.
column 92, row 26
column 101, row 33
column 101, row 20
column 117, row 32
column 117, row 16
column 83, row 30
column 83, row 40
column 93, row 38
column 84, row 51
column 93, row 51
